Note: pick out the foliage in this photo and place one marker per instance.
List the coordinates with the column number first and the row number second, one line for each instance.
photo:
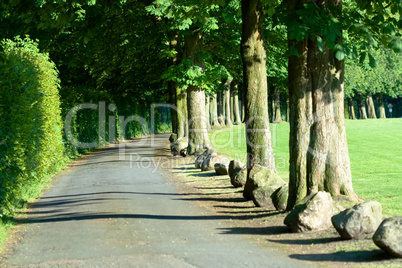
column 385, row 78
column 31, row 147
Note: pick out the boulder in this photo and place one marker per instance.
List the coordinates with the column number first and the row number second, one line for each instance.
column 239, row 177
column 280, row 197
column 361, row 219
column 178, row 146
column 183, row 152
column 210, row 161
column 234, row 166
column 200, row 159
column 388, row 236
column 261, row 177
column 314, row 215
column 221, row 168
column 173, row 137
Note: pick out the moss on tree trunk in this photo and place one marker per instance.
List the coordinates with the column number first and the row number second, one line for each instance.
column 258, row 135
column 319, row 159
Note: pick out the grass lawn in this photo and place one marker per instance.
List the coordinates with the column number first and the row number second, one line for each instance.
column 375, row 150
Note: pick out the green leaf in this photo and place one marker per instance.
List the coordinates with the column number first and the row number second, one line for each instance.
column 363, row 56
column 372, row 61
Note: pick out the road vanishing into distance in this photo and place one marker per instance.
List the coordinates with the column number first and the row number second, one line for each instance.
column 115, row 209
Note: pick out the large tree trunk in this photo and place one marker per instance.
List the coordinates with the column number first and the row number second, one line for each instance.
column 370, row 107
column 226, row 103
column 319, row 159
column 351, row 109
column 214, row 111
column 235, row 94
column 258, row 135
column 381, row 106
column 277, row 105
column 174, row 44
column 362, row 108
column 198, row 133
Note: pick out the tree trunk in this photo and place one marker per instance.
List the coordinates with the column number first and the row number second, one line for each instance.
column 226, row 103
column 221, row 114
column 235, row 94
column 277, row 105
column 174, row 44
column 243, row 104
column 370, row 107
column 198, row 133
column 258, row 135
column 351, row 109
column 381, row 106
column 319, row 159
column 214, row 111
column 207, row 118
column 362, row 109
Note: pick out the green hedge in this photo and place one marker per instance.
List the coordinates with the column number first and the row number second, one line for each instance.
column 31, row 145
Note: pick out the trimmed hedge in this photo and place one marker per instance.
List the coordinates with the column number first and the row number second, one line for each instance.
column 31, row 144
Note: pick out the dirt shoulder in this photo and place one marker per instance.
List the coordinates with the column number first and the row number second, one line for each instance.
column 265, row 226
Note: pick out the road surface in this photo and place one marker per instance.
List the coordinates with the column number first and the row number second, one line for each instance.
column 115, row 209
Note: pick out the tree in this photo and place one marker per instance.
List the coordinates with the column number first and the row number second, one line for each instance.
column 258, row 136
column 319, row 157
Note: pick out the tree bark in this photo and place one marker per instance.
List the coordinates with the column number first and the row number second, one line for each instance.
column 381, row 106
column 221, row 110
column 198, row 133
column 351, row 109
column 235, row 94
column 258, row 135
column 362, row 108
column 370, row 107
column 207, row 117
column 226, row 103
column 214, row 111
column 277, row 106
column 319, row 159
column 174, row 44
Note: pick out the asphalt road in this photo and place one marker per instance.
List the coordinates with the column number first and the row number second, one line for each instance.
column 116, row 210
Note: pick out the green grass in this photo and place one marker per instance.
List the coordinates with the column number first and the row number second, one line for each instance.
column 375, row 150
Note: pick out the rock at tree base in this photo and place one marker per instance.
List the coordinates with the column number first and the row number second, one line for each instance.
column 178, row 146
column 221, row 168
column 234, row 165
column 261, row 177
column 210, row 161
column 200, row 159
column 388, row 236
column 173, row 137
column 314, row 215
column 361, row 219
column 280, row 197
column 239, row 177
